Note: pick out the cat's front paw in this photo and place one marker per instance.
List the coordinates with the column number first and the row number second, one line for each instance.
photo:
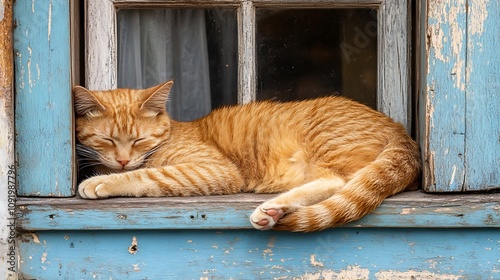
column 266, row 216
column 96, row 187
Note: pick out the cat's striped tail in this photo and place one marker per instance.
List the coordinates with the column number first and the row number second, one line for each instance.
column 396, row 169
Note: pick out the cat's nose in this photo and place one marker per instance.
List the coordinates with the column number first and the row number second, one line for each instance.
column 123, row 162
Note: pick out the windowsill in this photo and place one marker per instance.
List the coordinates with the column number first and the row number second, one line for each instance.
column 406, row 210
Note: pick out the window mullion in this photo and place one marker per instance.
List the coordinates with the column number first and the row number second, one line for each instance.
column 100, row 45
column 246, row 53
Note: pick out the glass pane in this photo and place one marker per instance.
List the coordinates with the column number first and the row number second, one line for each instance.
column 307, row 53
column 195, row 47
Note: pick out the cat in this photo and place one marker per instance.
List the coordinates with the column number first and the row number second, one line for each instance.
column 332, row 160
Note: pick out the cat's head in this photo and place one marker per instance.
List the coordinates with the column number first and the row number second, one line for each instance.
column 120, row 128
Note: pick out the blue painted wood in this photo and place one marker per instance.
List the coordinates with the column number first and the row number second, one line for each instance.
column 43, row 114
column 412, row 209
column 444, row 127
column 241, row 254
column 483, row 96
column 462, row 104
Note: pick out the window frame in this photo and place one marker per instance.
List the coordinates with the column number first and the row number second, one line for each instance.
column 393, row 44
column 411, row 209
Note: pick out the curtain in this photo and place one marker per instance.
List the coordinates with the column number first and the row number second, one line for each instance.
column 156, row 45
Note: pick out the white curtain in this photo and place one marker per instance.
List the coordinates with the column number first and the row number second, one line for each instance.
column 157, row 45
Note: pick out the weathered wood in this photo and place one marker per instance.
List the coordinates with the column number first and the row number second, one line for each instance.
column 247, row 76
column 461, row 139
column 482, row 138
column 44, row 110
column 445, row 97
column 410, row 209
column 100, row 45
column 275, row 3
column 342, row 253
column 394, row 84
column 8, row 248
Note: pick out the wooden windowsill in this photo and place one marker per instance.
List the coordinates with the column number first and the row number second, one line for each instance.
column 406, row 210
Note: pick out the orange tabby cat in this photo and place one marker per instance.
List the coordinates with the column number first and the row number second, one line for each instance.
column 333, row 160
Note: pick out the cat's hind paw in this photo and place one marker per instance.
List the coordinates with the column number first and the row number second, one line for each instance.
column 264, row 218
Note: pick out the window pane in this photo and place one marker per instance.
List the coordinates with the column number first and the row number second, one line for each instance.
column 307, row 53
column 195, row 47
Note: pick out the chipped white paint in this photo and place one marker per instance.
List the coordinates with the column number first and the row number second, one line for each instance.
column 411, row 274
column 28, row 65
column 133, row 247
column 49, row 23
column 452, row 180
column 407, row 211
column 136, row 267
column 314, row 262
column 478, row 13
column 35, row 238
column 445, row 13
column 351, row 272
column 44, row 257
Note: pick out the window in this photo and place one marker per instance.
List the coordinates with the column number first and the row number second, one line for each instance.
column 458, row 74
column 44, row 75
column 253, row 50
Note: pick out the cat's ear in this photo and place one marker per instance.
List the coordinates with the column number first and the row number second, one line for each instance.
column 158, row 97
column 86, row 102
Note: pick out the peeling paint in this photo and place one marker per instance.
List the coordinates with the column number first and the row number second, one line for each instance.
column 35, row 238
column 44, row 257
column 351, row 272
column 133, row 247
column 444, row 16
column 407, row 211
column 452, row 180
column 411, row 274
column 314, row 262
column 49, row 23
column 444, row 209
column 478, row 13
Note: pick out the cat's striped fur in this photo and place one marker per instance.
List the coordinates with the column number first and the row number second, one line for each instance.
column 333, row 160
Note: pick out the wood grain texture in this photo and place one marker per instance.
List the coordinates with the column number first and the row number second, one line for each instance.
column 100, row 45
column 44, row 110
column 343, row 253
column 482, row 138
column 461, row 140
column 247, row 75
column 8, row 252
column 445, row 96
column 409, row 209
column 394, row 84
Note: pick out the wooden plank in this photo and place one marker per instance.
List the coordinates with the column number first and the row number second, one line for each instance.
column 343, row 253
column 394, row 85
column 247, row 75
column 8, row 248
column 100, row 45
column 482, row 137
column 43, row 98
column 410, row 209
column 444, row 140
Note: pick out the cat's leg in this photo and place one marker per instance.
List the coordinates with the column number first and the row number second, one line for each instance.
column 268, row 214
column 175, row 180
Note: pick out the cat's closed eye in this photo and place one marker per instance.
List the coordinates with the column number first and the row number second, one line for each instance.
column 139, row 140
column 109, row 141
